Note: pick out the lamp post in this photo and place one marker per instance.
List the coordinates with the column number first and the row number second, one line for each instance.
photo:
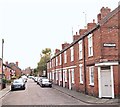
column 2, row 64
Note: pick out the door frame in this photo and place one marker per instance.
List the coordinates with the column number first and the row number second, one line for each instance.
column 63, row 78
column 99, row 82
column 70, row 82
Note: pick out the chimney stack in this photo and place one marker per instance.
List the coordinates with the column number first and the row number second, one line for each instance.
column 57, row 50
column 65, row 45
column 6, row 62
column 91, row 25
column 103, row 13
column 76, row 37
column 17, row 63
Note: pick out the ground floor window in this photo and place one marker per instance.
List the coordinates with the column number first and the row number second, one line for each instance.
column 91, row 75
column 81, row 73
column 72, row 70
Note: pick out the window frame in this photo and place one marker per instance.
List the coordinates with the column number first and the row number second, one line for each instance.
column 81, row 73
column 72, row 54
column 90, row 45
column 91, row 75
column 65, row 57
column 73, row 76
column 80, row 49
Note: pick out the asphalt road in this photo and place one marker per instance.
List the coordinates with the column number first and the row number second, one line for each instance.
column 36, row 95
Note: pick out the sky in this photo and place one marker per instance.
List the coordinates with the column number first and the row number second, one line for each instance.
column 29, row 26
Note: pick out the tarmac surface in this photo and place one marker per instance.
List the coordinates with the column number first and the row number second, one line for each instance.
column 77, row 95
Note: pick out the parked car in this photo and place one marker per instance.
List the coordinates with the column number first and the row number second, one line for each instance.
column 44, row 82
column 24, row 77
column 35, row 79
column 18, row 84
column 40, row 79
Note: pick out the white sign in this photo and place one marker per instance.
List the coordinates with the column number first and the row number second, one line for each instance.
column 109, row 44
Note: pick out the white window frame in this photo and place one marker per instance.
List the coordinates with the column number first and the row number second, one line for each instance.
column 65, row 57
column 50, row 75
column 72, row 54
column 60, row 59
column 48, row 65
column 90, row 45
column 60, row 75
column 65, row 75
column 56, row 75
column 53, row 75
column 73, row 78
column 80, row 50
column 81, row 73
column 91, row 75
column 56, row 61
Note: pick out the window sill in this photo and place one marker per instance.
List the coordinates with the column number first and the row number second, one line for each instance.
column 91, row 85
column 81, row 82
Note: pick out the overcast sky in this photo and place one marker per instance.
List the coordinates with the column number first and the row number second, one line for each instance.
column 28, row 26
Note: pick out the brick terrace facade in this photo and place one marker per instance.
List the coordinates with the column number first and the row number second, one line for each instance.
column 90, row 64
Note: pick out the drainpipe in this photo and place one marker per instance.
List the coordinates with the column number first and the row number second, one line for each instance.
column 84, row 58
column 62, row 69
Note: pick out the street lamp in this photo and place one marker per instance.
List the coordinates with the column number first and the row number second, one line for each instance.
column 2, row 63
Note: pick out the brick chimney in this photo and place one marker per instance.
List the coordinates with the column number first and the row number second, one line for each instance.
column 17, row 63
column 57, row 51
column 65, row 45
column 6, row 62
column 91, row 25
column 82, row 31
column 103, row 13
column 76, row 37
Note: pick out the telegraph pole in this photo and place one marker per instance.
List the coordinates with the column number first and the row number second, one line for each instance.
column 85, row 20
column 2, row 63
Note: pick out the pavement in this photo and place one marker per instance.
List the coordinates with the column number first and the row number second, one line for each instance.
column 4, row 91
column 77, row 95
column 86, row 98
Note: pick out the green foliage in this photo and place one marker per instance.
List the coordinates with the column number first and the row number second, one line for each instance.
column 46, row 51
column 42, row 64
column 35, row 72
column 4, row 80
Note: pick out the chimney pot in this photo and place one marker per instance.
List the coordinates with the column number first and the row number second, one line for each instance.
column 17, row 63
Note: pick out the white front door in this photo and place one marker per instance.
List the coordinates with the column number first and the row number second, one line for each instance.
column 106, row 84
column 70, row 79
column 59, row 77
column 63, row 78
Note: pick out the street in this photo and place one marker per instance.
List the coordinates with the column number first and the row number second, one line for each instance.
column 36, row 95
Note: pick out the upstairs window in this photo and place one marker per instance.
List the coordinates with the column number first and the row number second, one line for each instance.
column 65, row 57
column 56, row 61
column 72, row 53
column 80, row 49
column 90, row 45
column 60, row 59
column 48, row 65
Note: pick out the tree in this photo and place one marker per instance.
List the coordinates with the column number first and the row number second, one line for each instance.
column 42, row 64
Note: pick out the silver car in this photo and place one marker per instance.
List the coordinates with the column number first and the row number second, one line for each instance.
column 45, row 83
column 18, row 84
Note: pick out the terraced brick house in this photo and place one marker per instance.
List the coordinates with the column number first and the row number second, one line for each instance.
column 91, row 63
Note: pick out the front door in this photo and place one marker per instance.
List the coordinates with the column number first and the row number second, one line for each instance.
column 106, row 84
column 70, row 79
column 59, row 77
column 63, row 78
